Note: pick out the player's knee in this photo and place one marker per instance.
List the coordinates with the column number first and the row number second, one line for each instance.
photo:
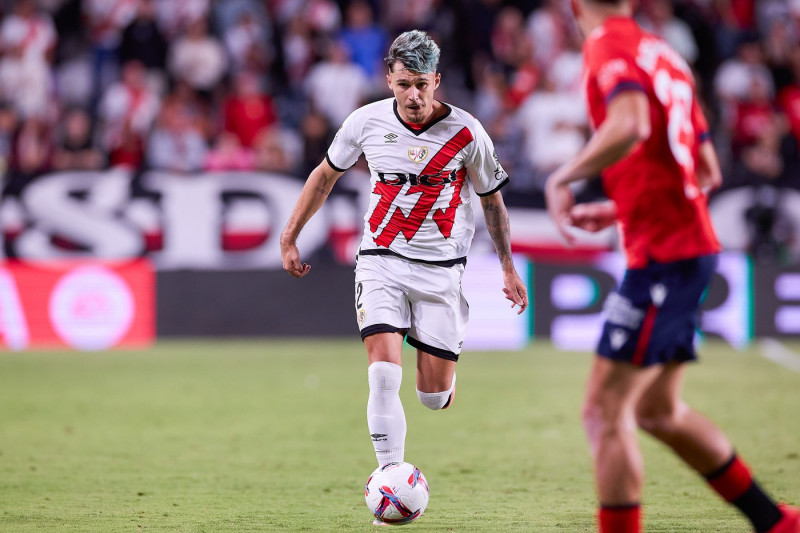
column 659, row 421
column 433, row 400
column 604, row 421
column 385, row 376
column 437, row 400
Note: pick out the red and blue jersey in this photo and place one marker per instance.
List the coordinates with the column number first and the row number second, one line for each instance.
column 662, row 213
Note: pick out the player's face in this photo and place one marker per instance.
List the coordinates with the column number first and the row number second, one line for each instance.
column 414, row 92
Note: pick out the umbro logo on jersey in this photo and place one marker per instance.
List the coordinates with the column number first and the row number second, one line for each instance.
column 417, row 153
column 391, row 138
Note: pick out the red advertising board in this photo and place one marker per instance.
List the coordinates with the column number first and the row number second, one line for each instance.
column 77, row 304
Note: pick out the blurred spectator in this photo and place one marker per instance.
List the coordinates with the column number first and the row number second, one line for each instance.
column 657, row 16
column 229, row 154
column 142, row 39
column 31, row 155
column 73, row 74
column 779, row 43
column 228, row 13
column 75, row 148
column 789, row 97
column 27, row 42
column 567, row 69
column 514, row 52
column 8, row 126
column 507, row 37
column 317, row 135
column 554, row 127
column 200, row 111
column 365, row 39
column 735, row 76
column 248, row 45
column 736, row 18
column 766, row 165
column 490, row 93
column 547, row 29
column 176, row 143
column 410, row 15
column 127, row 111
column 107, row 19
column 249, row 110
column 350, row 82
column 273, row 152
column 770, row 157
column 323, row 16
column 198, row 58
column 754, row 114
column 298, row 50
column 174, row 16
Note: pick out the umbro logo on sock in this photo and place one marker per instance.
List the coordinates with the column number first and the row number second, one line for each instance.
column 378, row 437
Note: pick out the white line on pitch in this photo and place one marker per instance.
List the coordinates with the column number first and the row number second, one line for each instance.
column 779, row 354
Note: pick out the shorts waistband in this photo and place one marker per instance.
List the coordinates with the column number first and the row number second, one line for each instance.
column 443, row 263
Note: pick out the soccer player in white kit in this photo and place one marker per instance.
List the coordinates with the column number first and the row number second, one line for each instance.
column 423, row 156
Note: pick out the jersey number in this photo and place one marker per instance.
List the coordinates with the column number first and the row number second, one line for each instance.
column 677, row 97
column 409, row 225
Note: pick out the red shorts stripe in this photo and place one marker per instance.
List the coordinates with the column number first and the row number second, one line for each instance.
column 644, row 336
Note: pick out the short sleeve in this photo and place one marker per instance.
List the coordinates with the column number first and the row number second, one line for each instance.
column 345, row 149
column 485, row 171
column 613, row 68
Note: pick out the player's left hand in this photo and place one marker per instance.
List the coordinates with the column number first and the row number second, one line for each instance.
column 515, row 290
column 559, row 203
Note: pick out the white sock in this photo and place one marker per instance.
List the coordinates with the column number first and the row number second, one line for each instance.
column 436, row 400
column 385, row 416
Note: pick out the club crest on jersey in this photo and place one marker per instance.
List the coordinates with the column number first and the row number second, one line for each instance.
column 418, row 153
column 362, row 316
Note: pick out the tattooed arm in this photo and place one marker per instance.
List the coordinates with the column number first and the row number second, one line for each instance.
column 494, row 211
column 315, row 192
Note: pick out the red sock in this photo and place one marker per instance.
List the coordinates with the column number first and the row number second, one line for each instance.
column 732, row 480
column 736, row 485
column 623, row 519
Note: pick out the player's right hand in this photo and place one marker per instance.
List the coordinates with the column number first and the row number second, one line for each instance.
column 593, row 216
column 560, row 200
column 291, row 261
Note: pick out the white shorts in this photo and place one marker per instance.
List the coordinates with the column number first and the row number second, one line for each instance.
column 423, row 301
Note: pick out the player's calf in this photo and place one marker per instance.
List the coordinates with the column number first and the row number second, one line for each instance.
column 385, row 416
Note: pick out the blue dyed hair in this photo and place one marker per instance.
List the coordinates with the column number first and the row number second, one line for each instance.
column 415, row 50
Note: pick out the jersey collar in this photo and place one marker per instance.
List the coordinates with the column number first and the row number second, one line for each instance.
column 427, row 126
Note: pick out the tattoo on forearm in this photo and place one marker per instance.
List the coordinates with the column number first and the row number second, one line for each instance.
column 499, row 230
column 321, row 190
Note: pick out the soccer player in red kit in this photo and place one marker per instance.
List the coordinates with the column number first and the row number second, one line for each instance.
column 657, row 163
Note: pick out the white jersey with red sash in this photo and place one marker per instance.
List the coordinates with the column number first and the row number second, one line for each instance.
column 420, row 206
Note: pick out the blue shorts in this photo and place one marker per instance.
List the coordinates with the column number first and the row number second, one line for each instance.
column 652, row 317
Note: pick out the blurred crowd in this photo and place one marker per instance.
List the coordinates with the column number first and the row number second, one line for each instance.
column 192, row 85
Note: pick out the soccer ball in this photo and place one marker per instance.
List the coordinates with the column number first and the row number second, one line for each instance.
column 397, row 493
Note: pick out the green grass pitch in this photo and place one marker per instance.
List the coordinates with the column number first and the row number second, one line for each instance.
column 271, row 436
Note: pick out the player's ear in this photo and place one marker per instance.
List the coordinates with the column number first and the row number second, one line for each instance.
column 576, row 8
column 389, row 79
column 437, row 80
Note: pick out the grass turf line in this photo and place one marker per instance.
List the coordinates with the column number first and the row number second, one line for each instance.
column 272, row 436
